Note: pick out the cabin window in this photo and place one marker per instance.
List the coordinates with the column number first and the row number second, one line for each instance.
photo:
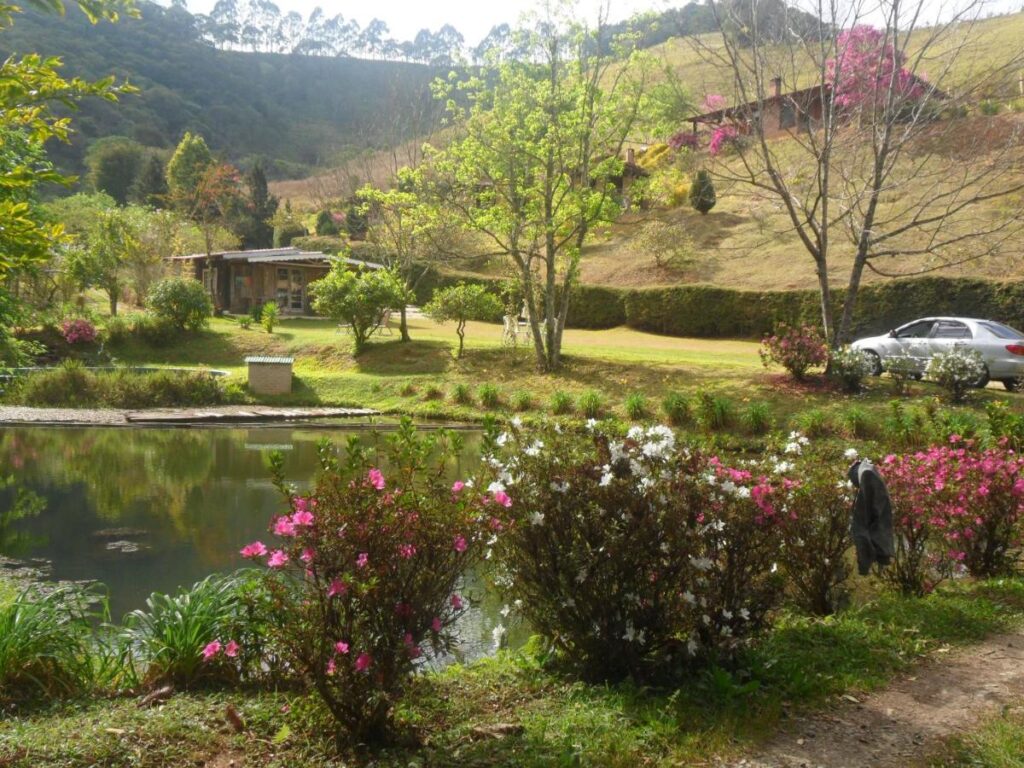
column 787, row 115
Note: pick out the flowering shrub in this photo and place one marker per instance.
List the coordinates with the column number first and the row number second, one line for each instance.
column 866, row 67
column 626, row 552
column 901, row 367
column 684, row 140
column 849, row 367
column 714, row 102
column 956, row 508
column 78, row 331
column 723, row 136
column 957, row 370
column 365, row 569
column 795, row 349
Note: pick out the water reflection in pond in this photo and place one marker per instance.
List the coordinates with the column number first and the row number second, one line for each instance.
column 144, row 510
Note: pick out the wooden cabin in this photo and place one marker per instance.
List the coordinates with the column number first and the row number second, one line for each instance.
column 238, row 281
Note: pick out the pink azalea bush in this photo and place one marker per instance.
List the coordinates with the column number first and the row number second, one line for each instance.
column 79, row 331
column 365, row 570
column 794, row 348
column 957, row 508
column 684, row 140
column 723, row 136
column 624, row 552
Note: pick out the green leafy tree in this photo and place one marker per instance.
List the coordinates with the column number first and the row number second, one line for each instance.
column 151, row 185
column 187, row 166
column 461, row 303
column 114, row 163
column 102, row 260
column 325, row 225
column 702, row 193
column 182, row 302
column 358, row 299
column 532, row 173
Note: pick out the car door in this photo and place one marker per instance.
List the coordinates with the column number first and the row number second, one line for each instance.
column 912, row 340
column 948, row 333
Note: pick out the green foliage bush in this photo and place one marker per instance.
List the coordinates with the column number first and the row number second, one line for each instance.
column 757, row 418
column 325, row 225
column 489, row 395
column 269, row 315
column 433, row 392
column 522, row 401
column 358, row 299
column 325, row 244
column 284, row 234
column 71, row 385
column 46, row 646
column 561, row 403
column 590, row 404
column 676, row 408
column 855, row 422
column 461, row 394
column 636, row 406
column 182, row 302
column 714, row 412
column 702, row 192
column 815, row 423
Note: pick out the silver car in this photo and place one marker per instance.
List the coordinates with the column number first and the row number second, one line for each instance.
column 1001, row 347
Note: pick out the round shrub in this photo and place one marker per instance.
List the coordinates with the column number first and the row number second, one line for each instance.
column 794, row 348
column 285, row 233
column 957, row 370
column 181, row 302
column 849, row 367
column 79, row 331
column 365, row 571
column 626, row 554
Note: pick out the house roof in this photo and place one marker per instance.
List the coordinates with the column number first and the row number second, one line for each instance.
column 290, row 254
column 741, row 109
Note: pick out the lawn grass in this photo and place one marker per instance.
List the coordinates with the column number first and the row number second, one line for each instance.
column 556, row 720
column 998, row 743
column 420, row 377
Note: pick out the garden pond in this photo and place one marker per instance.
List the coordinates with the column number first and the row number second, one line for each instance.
column 145, row 510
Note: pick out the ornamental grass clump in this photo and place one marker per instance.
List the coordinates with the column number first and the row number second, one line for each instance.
column 365, row 570
column 797, row 349
column 626, row 554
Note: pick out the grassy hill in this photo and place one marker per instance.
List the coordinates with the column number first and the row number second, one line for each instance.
column 299, row 112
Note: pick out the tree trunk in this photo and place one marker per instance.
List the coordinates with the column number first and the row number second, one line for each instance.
column 850, row 301
column 405, row 326
column 461, row 330
column 826, row 299
column 112, row 296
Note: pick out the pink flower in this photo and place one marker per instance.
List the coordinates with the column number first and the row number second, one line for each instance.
column 284, row 526
column 407, row 550
column 302, row 518
column 211, row 650
column 362, row 560
column 331, row 667
column 436, row 624
column 363, row 662
column 414, row 651
column 337, row 587
column 341, row 647
column 307, row 555
column 256, row 549
column 456, row 602
column 278, row 559
column 460, row 543
column 376, row 478
column 231, row 649
column 457, row 486
column 503, row 498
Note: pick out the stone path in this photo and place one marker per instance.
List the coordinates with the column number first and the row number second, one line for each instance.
column 218, row 414
column 902, row 724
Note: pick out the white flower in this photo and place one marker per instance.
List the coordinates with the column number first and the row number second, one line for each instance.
column 689, row 598
column 505, row 610
column 502, row 439
column 560, row 487
column 630, row 635
column 692, row 646
column 534, row 448
column 536, row 518
column 591, row 424
column 851, row 454
column 701, row 563
column 793, row 448
column 606, row 478
column 469, row 483
column 775, row 567
column 581, row 575
column 727, row 615
column 517, row 422
column 495, row 487
column 517, row 603
column 664, row 547
column 743, row 492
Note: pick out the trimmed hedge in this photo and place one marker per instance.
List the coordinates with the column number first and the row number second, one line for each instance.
column 712, row 312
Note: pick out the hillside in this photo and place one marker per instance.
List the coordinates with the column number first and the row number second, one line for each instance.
column 299, row 112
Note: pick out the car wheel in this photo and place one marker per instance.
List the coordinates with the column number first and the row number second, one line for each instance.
column 1014, row 385
column 876, row 362
column 982, row 381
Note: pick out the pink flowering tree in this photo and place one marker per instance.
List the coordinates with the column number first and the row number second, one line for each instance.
column 868, row 73
column 364, row 571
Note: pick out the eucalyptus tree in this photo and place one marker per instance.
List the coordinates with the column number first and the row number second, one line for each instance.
column 532, row 173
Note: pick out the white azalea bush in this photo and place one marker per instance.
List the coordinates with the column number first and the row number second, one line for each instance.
column 630, row 553
column 957, row 370
column 849, row 367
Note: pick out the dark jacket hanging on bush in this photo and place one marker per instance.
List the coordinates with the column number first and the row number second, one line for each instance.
column 871, row 525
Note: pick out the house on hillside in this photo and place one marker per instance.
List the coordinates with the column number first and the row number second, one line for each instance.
column 782, row 112
column 240, row 280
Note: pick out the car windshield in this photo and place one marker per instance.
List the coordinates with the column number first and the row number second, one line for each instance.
column 1001, row 331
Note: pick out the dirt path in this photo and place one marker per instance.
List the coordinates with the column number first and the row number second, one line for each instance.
column 903, row 723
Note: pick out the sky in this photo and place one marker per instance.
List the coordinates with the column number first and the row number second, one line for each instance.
column 474, row 18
